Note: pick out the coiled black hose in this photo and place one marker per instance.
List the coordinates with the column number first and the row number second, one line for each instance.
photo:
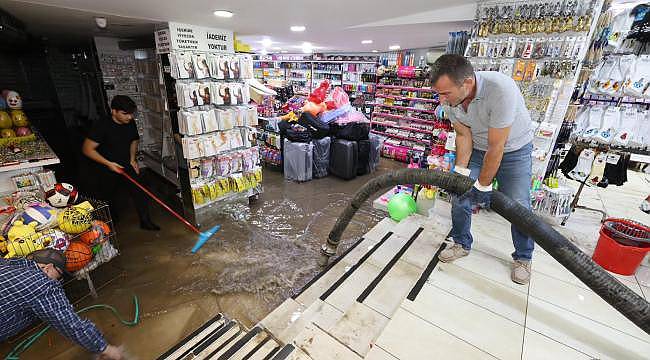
column 566, row 253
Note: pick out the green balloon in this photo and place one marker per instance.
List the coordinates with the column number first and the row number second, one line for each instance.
column 400, row 206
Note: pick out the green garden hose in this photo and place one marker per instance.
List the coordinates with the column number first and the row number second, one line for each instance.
column 25, row 344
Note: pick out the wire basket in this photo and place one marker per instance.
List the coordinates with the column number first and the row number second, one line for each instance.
column 627, row 232
column 84, row 251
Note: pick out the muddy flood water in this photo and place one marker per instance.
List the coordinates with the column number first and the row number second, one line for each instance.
column 261, row 255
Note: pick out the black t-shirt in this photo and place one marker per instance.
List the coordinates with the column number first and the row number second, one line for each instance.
column 114, row 139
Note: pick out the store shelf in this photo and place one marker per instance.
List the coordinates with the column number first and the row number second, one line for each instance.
column 434, row 101
column 404, row 118
column 328, row 72
column 28, row 164
column 407, row 88
column 426, row 142
column 402, row 127
column 406, row 108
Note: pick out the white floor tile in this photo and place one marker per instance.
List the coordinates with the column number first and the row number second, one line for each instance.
column 393, row 288
column 643, row 275
column 321, row 346
column 379, row 230
column 540, row 347
column 476, row 289
column 262, row 352
column 424, row 248
column 319, row 312
column 583, row 334
column 283, row 316
column 377, row 353
column 346, row 294
column 491, row 267
column 408, row 226
column 408, row 337
column 582, row 301
column 468, row 322
column 646, row 292
column 316, row 289
column 359, row 328
column 387, row 250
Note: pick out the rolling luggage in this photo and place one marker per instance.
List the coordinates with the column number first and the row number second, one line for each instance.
column 363, row 162
column 344, row 156
column 321, row 157
column 298, row 160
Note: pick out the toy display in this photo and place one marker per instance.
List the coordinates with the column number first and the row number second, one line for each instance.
column 7, row 133
column 19, row 118
column 43, row 216
column 77, row 256
column 61, row 195
column 20, row 230
column 23, row 131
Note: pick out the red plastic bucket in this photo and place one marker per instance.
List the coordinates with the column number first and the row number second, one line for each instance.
column 622, row 245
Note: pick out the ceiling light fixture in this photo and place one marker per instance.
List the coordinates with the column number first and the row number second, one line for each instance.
column 264, row 52
column 277, row 48
column 375, row 51
column 284, row 51
column 298, row 28
column 394, row 47
column 366, row 41
column 223, row 13
column 266, row 42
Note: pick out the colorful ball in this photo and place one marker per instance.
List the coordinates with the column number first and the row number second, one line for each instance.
column 74, row 220
column 55, row 239
column 77, row 256
column 5, row 120
column 400, row 206
column 23, row 131
column 98, row 233
column 61, row 195
column 19, row 118
column 43, row 215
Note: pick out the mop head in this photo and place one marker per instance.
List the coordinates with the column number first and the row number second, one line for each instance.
column 204, row 237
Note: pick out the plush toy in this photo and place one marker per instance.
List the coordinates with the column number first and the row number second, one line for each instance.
column 5, row 120
column 22, row 240
column 3, row 245
column 19, row 118
column 20, row 230
column 55, row 239
column 315, row 104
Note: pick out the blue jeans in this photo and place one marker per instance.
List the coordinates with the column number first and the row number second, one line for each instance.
column 514, row 177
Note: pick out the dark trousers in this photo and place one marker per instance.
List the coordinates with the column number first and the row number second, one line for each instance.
column 105, row 185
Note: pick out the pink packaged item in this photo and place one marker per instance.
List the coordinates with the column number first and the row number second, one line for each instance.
column 353, row 116
column 340, row 97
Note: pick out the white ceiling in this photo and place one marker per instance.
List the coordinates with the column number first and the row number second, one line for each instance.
column 334, row 25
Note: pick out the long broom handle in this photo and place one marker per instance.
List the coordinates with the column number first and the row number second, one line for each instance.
column 187, row 223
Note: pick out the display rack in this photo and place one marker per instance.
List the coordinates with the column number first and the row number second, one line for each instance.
column 213, row 127
column 540, row 44
column 405, row 111
column 357, row 78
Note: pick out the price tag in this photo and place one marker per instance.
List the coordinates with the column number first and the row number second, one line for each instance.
column 613, row 158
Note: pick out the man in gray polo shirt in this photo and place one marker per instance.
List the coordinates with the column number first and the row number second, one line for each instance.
column 493, row 140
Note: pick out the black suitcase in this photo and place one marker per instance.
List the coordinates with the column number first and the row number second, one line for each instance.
column 350, row 131
column 321, row 157
column 343, row 158
column 363, row 160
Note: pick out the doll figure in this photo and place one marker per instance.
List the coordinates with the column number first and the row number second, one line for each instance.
column 224, row 92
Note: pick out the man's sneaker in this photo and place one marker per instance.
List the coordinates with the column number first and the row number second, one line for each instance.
column 520, row 272
column 452, row 253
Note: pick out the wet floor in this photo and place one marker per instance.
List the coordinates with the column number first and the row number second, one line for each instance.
column 253, row 263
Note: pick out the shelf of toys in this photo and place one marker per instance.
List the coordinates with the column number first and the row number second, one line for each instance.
column 41, row 213
column 22, row 150
column 406, row 111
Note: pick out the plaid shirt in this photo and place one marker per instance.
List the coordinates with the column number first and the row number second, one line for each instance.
column 27, row 294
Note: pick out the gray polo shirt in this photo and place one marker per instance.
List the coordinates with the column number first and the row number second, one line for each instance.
column 498, row 104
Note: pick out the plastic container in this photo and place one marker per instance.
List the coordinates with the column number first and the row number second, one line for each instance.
column 622, row 245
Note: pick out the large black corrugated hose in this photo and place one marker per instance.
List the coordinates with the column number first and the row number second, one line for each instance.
column 566, row 253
